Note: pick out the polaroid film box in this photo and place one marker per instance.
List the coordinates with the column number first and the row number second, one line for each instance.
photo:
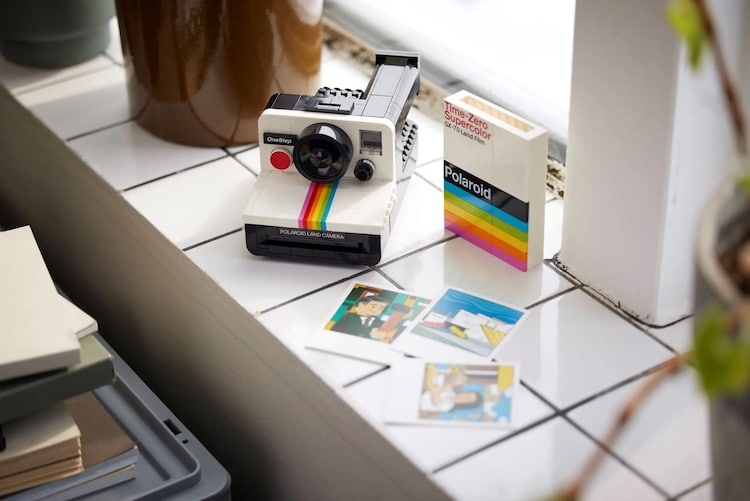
column 494, row 171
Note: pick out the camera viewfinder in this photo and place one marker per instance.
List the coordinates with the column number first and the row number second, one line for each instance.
column 370, row 142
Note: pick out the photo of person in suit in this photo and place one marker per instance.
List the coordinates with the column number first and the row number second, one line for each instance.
column 363, row 318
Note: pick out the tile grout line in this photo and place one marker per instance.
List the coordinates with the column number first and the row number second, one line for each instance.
column 250, row 146
column 610, row 453
column 552, row 263
column 64, row 79
column 494, row 443
column 639, row 326
column 419, row 175
column 640, row 376
column 114, row 61
column 635, row 322
column 555, row 264
column 556, row 295
column 388, row 278
column 555, row 413
column 174, row 173
column 629, row 316
column 565, row 414
column 693, row 488
column 315, row 291
column 97, row 130
column 212, row 239
column 586, row 290
column 367, row 376
column 540, row 396
column 235, row 155
column 416, row 251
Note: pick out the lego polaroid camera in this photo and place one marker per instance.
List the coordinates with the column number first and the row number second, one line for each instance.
column 334, row 168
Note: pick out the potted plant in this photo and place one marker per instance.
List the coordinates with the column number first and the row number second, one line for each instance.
column 54, row 33
column 721, row 347
column 721, row 341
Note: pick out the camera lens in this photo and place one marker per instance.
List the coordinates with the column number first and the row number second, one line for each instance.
column 322, row 153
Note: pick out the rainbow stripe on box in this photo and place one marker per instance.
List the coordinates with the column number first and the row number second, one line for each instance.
column 492, row 219
column 317, row 204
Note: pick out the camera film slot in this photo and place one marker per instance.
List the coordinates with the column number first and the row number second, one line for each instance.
column 315, row 246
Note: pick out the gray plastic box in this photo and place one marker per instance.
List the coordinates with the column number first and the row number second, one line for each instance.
column 172, row 463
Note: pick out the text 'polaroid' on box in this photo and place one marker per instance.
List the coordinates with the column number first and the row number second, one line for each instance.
column 494, row 173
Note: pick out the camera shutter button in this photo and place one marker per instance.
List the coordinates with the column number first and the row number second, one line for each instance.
column 364, row 169
column 280, row 159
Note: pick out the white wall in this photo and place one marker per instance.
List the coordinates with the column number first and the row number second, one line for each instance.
column 648, row 143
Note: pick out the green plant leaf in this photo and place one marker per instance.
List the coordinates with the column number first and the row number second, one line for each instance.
column 684, row 17
column 745, row 183
column 722, row 358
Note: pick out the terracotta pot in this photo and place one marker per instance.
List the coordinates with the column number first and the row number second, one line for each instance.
column 725, row 223
column 54, row 33
column 201, row 71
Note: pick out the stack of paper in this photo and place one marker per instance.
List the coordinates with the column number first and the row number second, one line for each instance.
column 41, row 447
column 47, row 355
column 80, row 322
column 35, row 326
column 22, row 396
column 109, row 455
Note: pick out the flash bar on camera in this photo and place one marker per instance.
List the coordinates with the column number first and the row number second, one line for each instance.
column 389, row 94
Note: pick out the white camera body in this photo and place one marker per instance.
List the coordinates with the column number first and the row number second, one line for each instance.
column 334, row 168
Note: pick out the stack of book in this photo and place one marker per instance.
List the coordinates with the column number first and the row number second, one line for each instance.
column 55, row 436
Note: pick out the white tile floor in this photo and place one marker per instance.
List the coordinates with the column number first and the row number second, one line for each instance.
column 579, row 359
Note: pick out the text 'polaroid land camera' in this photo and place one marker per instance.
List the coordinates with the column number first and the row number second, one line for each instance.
column 350, row 151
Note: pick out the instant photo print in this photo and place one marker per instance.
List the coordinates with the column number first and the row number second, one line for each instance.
column 460, row 324
column 334, row 168
column 366, row 321
column 451, row 393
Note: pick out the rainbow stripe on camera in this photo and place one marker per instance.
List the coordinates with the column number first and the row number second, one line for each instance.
column 317, row 205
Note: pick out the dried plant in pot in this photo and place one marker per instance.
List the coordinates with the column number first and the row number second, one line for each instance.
column 722, row 335
column 721, row 349
column 54, row 33
column 721, row 332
